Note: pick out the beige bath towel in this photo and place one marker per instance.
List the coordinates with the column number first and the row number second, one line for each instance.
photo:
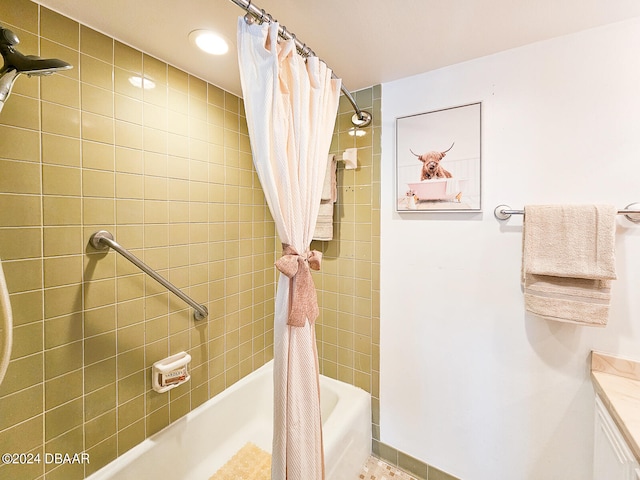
column 329, row 188
column 568, row 262
column 324, row 223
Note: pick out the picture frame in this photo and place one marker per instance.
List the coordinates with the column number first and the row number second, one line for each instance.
column 439, row 160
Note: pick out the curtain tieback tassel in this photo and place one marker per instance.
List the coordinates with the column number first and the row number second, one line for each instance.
column 303, row 301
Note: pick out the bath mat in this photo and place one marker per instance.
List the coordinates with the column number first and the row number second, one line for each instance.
column 249, row 463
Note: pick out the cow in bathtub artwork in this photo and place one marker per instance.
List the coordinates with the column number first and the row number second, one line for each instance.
column 441, row 189
column 438, row 160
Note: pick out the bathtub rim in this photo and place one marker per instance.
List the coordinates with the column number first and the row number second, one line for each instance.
column 358, row 397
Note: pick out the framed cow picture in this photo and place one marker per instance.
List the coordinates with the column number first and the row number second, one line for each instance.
column 438, row 160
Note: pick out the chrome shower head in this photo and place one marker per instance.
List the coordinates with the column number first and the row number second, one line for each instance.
column 16, row 63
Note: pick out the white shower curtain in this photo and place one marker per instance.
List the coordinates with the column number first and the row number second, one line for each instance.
column 291, row 106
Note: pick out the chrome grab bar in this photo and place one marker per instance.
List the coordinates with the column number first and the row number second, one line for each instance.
column 102, row 240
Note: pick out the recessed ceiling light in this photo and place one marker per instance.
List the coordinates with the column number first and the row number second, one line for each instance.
column 141, row 82
column 209, row 41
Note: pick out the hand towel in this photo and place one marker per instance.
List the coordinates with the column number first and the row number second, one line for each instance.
column 324, row 223
column 329, row 189
column 568, row 262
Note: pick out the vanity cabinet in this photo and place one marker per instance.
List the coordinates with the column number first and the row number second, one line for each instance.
column 612, row 457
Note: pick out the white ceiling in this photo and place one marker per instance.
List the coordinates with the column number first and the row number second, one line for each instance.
column 365, row 42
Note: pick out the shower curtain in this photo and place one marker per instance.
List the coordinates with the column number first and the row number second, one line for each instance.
column 291, row 107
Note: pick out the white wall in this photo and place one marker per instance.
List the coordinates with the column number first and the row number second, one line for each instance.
column 469, row 383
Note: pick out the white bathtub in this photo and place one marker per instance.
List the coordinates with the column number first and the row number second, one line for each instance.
column 197, row 445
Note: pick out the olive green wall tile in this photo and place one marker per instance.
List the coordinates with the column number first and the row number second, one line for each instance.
column 99, row 292
column 96, row 44
column 22, row 14
column 16, row 243
column 60, row 120
column 62, row 90
column 58, row 28
column 101, row 454
column 62, row 241
column 198, row 89
column 27, row 307
column 22, row 438
column 215, row 95
column 157, row 420
column 98, row 211
column 100, row 401
column 63, row 359
column 130, row 362
column 21, row 111
column 155, row 69
column 97, row 100
column 179, row 407
column 19, row 210
column 19, row 144
column 129, row 211
column 155, row 116
column 128, row 110
column 59, row 180
column 22, row 373
column 99, row 374
column 97, row 128
column 130, row 287
column 20, row 406
column 131, row 411
column 129, row 186
column 27, row 340
column 130, row 436
column 19, row 177
column 96, row 72
column 127, row 58
column 157, row 95
column 123, row 86
column 178, row 105
column 63, row 330
column 22, row 275
column 99, row 320
column 98, row 183
column 154, row 140
column 70, row 442
column 131, row 386
column 99, row 156
column 178, row 80
column 129, row 160
column 61, row 210
column 63, row 389
column 60, row 150
column 63, row 418
column 99, row 347
column 62, row 300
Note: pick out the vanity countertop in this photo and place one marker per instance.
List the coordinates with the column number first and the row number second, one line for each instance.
column 617, row 381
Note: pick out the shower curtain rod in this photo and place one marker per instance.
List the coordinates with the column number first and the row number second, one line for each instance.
column 361, row 118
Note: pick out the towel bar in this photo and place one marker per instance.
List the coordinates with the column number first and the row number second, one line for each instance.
column 102, row 240
column 631, row 211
